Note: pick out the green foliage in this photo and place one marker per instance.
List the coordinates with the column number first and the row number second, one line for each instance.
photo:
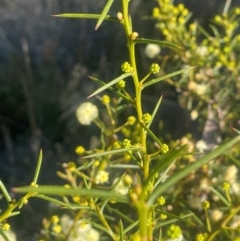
column 131, row 185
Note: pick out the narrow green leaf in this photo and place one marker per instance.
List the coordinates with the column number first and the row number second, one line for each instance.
column 214, row 29
column 122, row 215
column 176, row 218
column 111, row 83
column 121, row 235
column 85, row 16
column 198, row 220
column 235, row 161
column 112, row 152
column 100, row 227
column 104, row 203
column 162, row 164
column 226, row 8
column 5, row 192
column 192, row 167
column 104, row 13
column 154, row 81
column 224, row 200
column 236, row 130
column 163, row 174
column 62, row 191
column 155, row 111
column 150, row 133
column 157, row 42
column 4, row 235
column 160, row 235
column 113, row 90
column 14, row 214
column 62, row 204
column 39, row 163
column 124, row 166
column 227, row 235
column 131, row 226
column 204, row 31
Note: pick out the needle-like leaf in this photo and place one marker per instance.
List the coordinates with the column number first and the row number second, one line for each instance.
column 111, row 83
column 104, row 13
column 192, row 167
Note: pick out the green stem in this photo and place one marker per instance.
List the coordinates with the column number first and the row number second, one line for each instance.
column 142, row 207
column 138, row 87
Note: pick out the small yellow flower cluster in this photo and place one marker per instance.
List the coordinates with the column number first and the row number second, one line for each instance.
column 226, row 186
column 80, row 150
column 146, row 118
column 121, row 84
column 174, row 232
column 161, row 201
column 206, row 204
column 126, row 143
column 55, row 227
column 201, row 237
column 163, row 216
column 126, row 67
column 172, row 20
column 6, row 227
column 154, row 68
column 131, row 120
column 105, row 99
column 164, row 148
column 101, row 177
column 71, row 166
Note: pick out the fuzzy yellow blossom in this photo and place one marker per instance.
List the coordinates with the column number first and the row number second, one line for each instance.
column 105, row 99
column 101, row 177
column 57, row 228
column 156, row 12
column 6, row 226
column 202, row 51
column 86, row 113
column 54, row 219
column 194, row 114
column 71, row 166
column 127, row 179
column 131, row 120
column 231, row 174
column 80, row 150
column 163, row 216
column 121, row 187
column 216, row 215
column 80, row 230
column 135, row 237
column 201, row 145
column 206, row 204
column 116, row 145
column 127, row 157
column 235, row 222
column 152, row 50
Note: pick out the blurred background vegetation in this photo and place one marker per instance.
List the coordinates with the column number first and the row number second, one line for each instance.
column 44, row 63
